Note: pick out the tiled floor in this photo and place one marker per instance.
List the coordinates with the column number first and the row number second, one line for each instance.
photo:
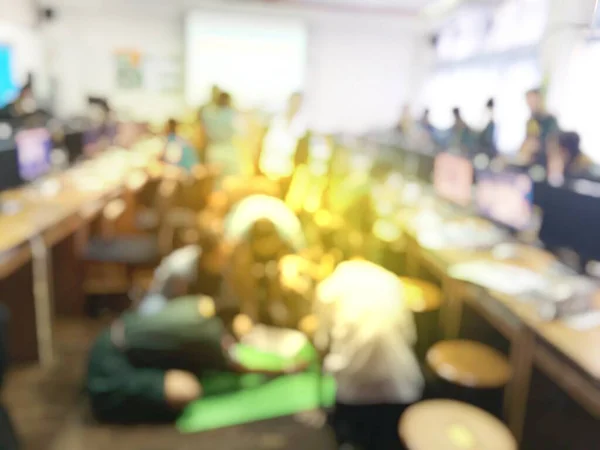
column 50, row 413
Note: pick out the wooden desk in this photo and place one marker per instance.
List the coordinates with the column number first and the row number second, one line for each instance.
column 39, row 270
column 569, row 357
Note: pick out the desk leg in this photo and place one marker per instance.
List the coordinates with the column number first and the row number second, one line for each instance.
column 67, row 274
column 517, row 392
column 450, row 319
column 42, row 290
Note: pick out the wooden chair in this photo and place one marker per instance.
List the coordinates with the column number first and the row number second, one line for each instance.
column 471, row 372
column 452, row 425
column 114, row 260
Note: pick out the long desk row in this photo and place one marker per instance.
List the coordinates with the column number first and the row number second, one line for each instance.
column 42, row 230
column 569, row 357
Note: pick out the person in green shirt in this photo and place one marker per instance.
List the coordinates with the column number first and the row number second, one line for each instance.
column 156, row 359
column 178, row 151
column 148, row 368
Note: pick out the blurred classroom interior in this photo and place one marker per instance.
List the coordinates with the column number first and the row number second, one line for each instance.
column 299, row 224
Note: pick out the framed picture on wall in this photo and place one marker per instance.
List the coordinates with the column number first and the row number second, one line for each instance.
column 129, row 73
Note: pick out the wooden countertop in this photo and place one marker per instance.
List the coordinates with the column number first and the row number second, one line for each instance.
column 582, row 347
column 81, row 190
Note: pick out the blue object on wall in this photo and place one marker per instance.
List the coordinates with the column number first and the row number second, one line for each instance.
column 8, row 90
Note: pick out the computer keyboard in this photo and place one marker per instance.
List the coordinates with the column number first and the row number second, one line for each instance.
column 500, row 277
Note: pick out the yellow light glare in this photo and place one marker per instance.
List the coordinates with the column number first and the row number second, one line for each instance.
column 386, row 231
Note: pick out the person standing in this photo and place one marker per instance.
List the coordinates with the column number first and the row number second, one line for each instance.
column 487, row 137
column 367, row 333
column 178, row 151
column 277, row 156
column 460, row 135
column 542, row 128
column 221, row 124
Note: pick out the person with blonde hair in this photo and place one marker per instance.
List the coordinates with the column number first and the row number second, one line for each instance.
column 363, row 325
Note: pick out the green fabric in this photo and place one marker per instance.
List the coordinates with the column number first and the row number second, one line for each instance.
column 254, row 359
column 282, row 396
column 176, row 337
column 232, row 399
column 121, row 392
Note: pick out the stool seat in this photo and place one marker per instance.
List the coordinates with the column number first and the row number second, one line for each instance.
column 421, row 296
column 452, row 425
column 469, row 364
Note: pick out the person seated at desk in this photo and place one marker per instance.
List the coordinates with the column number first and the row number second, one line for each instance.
column 542, row 128
column 261, row 231
column 460, row 136
column 487, row 137
column 565, row 158
column 178, row 151
column 367, row 333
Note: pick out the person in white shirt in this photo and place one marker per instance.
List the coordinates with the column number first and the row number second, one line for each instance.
column 173, row 278
column 369, row 334
column 276, row 159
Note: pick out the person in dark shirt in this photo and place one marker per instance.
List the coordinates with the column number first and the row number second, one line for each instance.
column 542, row 128
column 566, row 158
column 148, row 368
column 487, row 137
column 460, row 136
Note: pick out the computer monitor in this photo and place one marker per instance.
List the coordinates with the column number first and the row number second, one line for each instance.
column 453, row 178
column 33, row 152
column 74, row 145
column 9, row 166
column 505, row 198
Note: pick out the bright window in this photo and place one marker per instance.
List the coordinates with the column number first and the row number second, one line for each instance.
column 582, row 97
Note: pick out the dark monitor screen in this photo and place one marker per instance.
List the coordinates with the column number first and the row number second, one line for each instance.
column 9, row 167
column 74, row 145
column 453, row 178
column 33, row 152
column 570, row 220
column 505, row 197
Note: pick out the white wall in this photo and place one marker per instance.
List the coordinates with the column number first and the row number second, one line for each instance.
column 357, row 80
column 82, row 46
column 566, row 30
column 17, row 30
column 360, row 65
column 359, row 72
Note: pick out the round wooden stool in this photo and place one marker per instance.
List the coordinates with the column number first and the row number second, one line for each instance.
column 452, row 425
column 472, row 371
column 424, row 300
